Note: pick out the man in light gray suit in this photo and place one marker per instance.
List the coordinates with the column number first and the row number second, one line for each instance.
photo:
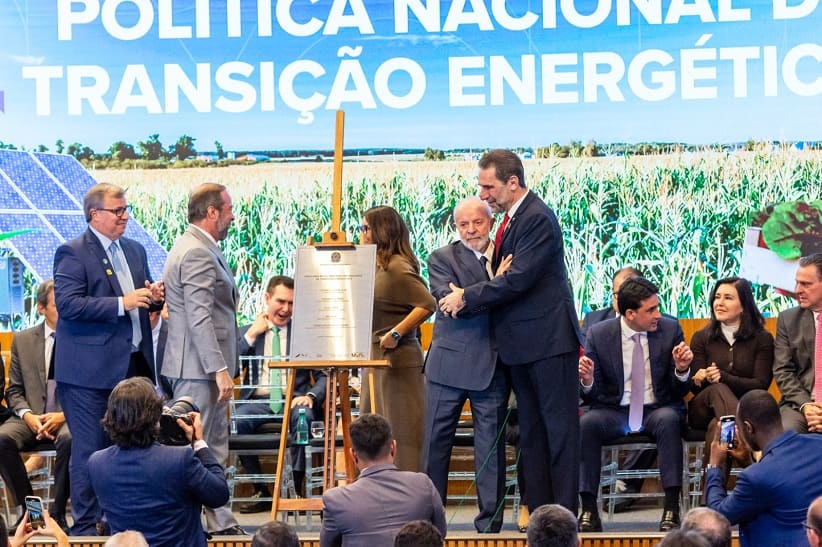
column 372, row 510
column 37, row 413
column 200, row 357
column 462, row 365
column 797, row 331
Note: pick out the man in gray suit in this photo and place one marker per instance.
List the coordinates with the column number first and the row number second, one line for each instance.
column 200, row 357
column 798, row 338
column 372, row 510
column 37, row 414
column 462, row 365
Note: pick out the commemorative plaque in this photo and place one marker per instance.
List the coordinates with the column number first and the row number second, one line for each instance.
column 333, row 303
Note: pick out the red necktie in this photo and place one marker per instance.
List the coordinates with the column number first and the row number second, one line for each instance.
column 500, row 231
column 817, row 361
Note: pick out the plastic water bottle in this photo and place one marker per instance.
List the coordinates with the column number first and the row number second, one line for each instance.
column 301, row 432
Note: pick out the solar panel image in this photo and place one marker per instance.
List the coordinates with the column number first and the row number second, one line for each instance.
column 36, row 248
column 9, row 197
column 76, row 180
column 68, row 226
column 33, row 187
column 35, row 182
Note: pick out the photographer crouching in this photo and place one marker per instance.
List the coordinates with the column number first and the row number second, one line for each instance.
column 143, row 485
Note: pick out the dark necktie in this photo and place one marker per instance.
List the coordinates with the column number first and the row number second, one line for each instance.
column 484, row 261
column 498, row 236
column 51, row 384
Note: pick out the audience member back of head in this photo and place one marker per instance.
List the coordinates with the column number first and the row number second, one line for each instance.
column 275, row 534
column 418, row 533
column 128, row 538
column 684, row 538
column 552, row 525
column 711, row 524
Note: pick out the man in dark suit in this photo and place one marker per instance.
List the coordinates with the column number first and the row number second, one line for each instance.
column 257, row 339
column 462, row 365
column 103, row 291
column 37, row 415
column 201, row 357
column 371, row 510
column 771, row 496
column 636, row 458
column 797, row 347
column 535, row 326
column 634, row 374
column 152, row 488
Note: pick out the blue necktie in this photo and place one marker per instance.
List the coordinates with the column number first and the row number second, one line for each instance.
column 127, row 284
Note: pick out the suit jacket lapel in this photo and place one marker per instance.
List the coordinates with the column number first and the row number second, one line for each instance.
column 468, row 262
column 40, row 352
column 808, row 330
column 215, row 250
column 616, row 354
column 96, row 249
column 529, row 197
column 655, row 357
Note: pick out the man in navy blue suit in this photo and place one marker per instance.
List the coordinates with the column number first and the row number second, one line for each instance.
column 103, row 291
column 771, row 496
column 461, row 365
column 634, row 374
column 535, row 326
column 145, row 486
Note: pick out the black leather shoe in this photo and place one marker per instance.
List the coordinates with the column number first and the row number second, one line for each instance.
column 61, row 522
column 670, row 520
column 255, row 507
column 589, row 522
column 232, row 531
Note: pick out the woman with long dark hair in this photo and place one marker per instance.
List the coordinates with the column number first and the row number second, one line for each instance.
column 732, row 355
column 401, row 303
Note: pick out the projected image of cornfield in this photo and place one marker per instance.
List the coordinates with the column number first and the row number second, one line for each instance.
column 680, row 218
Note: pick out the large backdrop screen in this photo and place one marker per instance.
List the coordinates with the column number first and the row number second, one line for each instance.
column 680, row 136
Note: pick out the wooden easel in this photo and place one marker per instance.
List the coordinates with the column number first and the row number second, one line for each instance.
column 337, row 371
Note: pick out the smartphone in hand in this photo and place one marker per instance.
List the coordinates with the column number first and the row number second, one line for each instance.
column 727, row 430
column 35, row 507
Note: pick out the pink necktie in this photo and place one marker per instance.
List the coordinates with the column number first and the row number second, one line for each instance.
column 817, row 361
column 498, row 236
column 637, row 400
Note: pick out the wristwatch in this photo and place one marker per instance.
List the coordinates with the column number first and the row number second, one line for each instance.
column 395, row 335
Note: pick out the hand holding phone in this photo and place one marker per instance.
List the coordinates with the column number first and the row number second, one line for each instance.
column 727, row 430
column 35, row 508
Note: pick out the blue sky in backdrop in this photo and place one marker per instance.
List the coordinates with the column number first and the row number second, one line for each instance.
column 708, row 71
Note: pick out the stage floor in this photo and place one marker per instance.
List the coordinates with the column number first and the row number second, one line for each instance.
column 642, row 517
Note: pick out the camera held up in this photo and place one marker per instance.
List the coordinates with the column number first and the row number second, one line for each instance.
column 170, row 431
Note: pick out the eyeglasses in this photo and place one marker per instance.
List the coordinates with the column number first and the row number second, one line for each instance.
column 118, row 212
column 363, row 228
column 809, row 527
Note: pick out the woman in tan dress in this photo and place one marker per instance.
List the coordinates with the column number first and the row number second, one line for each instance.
column 401, row 303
